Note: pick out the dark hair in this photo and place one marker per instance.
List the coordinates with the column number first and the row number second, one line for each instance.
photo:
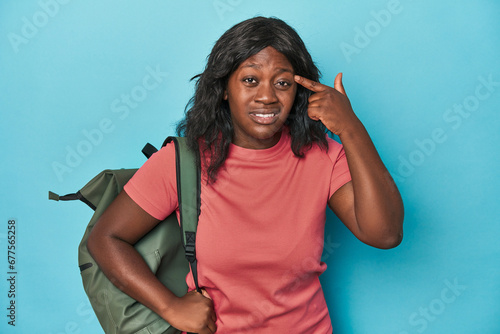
column 208, row 119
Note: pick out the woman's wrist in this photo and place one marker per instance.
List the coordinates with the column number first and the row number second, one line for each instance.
column 167, row 307
column 353, row 130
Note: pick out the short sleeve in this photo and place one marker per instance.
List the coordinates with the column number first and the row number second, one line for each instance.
column 153, row 187
column 340, row 172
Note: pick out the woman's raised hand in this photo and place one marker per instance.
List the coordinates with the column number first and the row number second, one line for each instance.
column 329, row 105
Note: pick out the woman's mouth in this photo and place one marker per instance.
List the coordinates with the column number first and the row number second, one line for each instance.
column 264, row 118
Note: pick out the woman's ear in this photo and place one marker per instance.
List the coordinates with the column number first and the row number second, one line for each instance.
column 225, row 94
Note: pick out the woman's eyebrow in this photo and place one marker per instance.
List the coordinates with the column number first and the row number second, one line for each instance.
column 252, row 65
column 277, row 69
column 284, row 69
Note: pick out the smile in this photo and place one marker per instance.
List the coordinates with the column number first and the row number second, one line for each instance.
column 264, row 118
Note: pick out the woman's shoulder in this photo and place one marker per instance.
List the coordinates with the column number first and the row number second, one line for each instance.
column 168, row 150
column 333, row 144
column 333, row 151
column 160, row 162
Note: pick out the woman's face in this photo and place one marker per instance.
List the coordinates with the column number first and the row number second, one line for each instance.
column 260, row 94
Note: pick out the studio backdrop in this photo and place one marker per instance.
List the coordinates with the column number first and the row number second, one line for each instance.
column 85, row 84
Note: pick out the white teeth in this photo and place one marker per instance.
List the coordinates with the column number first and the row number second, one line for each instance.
column 264, row 115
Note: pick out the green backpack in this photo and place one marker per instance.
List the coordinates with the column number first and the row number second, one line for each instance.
column 165, row 248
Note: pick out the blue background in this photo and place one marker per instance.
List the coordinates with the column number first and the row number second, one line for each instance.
column 409, row 66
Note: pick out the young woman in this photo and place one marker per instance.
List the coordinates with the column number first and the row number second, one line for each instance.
column 259, row 118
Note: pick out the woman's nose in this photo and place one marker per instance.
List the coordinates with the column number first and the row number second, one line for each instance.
column 266, row 94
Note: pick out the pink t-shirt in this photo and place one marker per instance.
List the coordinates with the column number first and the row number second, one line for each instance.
column 260, row 233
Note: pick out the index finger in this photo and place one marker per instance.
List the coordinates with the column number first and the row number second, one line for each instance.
column 309, row 84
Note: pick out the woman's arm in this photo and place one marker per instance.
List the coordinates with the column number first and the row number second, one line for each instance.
column 111, row 244
column 370, row 205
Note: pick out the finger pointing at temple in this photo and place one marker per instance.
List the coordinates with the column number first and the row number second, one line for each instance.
column 318, row 87
column 330, row 105
column 310, row 84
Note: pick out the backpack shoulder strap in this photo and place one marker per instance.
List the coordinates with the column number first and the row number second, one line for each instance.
column 188, row 192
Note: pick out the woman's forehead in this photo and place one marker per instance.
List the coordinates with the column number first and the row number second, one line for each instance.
column 268, row 56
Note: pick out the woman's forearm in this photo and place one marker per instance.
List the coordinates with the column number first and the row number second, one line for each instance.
column 128, row 271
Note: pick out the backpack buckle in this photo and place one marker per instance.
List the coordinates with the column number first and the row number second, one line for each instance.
column 190, row 247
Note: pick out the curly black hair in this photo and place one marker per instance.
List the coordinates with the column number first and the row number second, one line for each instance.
column 208, row 118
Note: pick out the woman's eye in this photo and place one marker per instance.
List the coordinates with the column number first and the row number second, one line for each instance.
column 283, row 83
column 250, row 80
